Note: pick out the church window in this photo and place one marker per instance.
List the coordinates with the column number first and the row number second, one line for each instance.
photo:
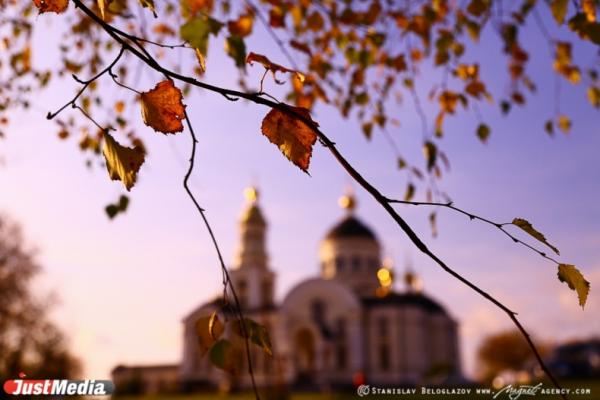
column 340, row 356
column 382, row 327
column 373, row 264
column 340, row 348
column 384, row 357
column 266, row 292
column 341, row 328
column 340, row 263
column 355, row 263
column 242, row 292
column 318, row 311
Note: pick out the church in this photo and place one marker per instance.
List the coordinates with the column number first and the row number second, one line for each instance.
column 345, row 327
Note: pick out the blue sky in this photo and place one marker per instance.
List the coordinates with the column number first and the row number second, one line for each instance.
column 124, row 285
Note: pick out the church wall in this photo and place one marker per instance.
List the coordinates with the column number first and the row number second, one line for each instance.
column 417, row 353
column 384, row 353
column 353, row 261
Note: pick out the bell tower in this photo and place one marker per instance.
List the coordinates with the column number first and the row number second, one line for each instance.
column 251, row 276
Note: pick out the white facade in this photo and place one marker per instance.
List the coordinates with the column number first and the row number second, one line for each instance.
column 332, row 330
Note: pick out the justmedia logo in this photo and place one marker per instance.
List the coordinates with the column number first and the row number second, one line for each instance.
column 58, row 387
column 363, row 390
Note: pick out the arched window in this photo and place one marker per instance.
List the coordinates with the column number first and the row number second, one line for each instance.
column 384, row 357
column 266, row 292
column 383, row 348
column 341, row 348
column 317, row 309
column 242, row 292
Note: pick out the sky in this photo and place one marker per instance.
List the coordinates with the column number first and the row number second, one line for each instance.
column 123, row 286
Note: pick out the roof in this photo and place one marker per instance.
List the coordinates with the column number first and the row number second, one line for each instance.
column 405, row 299
column 351, row 227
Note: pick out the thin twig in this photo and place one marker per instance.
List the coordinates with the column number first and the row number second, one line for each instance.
column 219, row 255
column 85, row 84
column 472, row 217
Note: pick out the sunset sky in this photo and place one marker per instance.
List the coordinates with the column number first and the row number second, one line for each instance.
column 123, row 286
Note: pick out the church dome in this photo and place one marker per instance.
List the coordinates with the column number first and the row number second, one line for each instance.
column 351, row 227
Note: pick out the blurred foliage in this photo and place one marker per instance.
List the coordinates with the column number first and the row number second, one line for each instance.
column 505, row 351
column 29, row 342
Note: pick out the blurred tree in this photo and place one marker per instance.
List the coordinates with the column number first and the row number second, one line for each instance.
column 506, row 351
column 29, row 342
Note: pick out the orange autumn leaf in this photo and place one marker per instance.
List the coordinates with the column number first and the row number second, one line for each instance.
column 122, row 163
column 242, row 27
column 292, row 135
column 162, row 108
column 56, row 6
column 271, row 66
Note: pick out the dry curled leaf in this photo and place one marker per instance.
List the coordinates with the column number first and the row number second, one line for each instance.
column 209, row 329
column 571, row 276
column 292, row 135
column 123, row 163
column 162, row 108
column 271, row 66
column 527, row 227
column 56, row 6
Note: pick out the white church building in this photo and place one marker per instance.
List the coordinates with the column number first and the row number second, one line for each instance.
column 341, row 328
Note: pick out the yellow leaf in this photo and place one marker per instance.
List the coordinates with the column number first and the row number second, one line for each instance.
column 201, row 61
column 571, row 276
column 56, row 6
column 119, row 107
column 559, row 10
column 208, row 329
column 103, row 6
column 593, row 94
column 527, row 227
column 162, row 108
column 242, row 27
column 589, row 8
column 123, row 163
column 564, row 123
column 410, row 192
column 293, row 136
column 148, row 4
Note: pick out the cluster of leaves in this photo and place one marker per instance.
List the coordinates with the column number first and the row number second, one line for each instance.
column 566, row 273
column 222, row 340
column 359, row 57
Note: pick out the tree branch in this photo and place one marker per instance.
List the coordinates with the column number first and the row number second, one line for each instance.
column 227, row 280
column 380, row 198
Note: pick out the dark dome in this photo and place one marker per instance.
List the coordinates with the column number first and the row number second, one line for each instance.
column 414, row 299
column 351, row 227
